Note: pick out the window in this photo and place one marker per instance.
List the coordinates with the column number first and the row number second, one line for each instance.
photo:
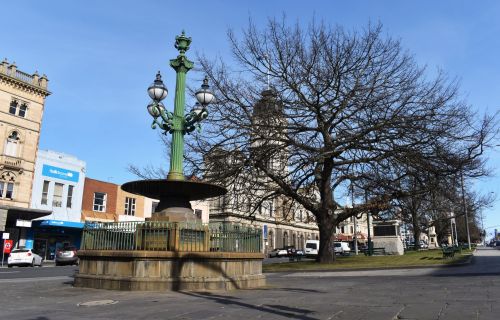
column 22, row 110
column 69, row 198
column 58, row 191
column 10, row 191
column 45, row 191
column 198, row 213
column 13, row 107
column 12, row 143
column 17, row 108
column 130, row 206
column 99, row 201
column 154, row 205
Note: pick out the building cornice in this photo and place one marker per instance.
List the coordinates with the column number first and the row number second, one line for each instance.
column 301, row 225
column 25, row 86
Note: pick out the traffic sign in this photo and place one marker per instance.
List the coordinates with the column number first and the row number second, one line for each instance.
column 7, row 246
column 5, row 235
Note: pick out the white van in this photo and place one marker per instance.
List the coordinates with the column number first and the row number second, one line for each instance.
column 312, row 248
column 341, row 248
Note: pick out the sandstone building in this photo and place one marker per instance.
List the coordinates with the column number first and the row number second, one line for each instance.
column 22, row 101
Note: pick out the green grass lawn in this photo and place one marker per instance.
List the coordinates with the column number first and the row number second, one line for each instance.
column 410, row 258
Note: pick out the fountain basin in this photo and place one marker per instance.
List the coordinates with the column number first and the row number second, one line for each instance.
column 174, row 196
column 166, row 270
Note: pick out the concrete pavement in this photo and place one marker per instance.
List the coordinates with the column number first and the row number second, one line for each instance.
column 466, row 292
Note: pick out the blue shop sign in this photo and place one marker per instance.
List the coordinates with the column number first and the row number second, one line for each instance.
column 29, row 244
column 60, row 173
column 265, row 231
column 61, row 223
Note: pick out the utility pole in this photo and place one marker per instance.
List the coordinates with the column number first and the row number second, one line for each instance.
column 453, row 225
column 465, row 209
column 355, row 237
column 368, row 217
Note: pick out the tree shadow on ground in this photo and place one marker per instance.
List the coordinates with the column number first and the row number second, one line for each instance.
column 291, row 290
column 284, row 311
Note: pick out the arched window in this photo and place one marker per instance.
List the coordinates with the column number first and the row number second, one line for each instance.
column 271, row 239
column 285, row 239
column 294, row 240
column 11, row 144
column 7, row 179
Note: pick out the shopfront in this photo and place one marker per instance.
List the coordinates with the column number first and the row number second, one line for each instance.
column 18, row 224
column 50, row 235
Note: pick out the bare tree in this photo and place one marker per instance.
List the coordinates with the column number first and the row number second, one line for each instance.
column 340, row 105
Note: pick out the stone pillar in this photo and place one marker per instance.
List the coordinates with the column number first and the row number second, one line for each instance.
column 3, row 66
column 44, row 82
column 36, row 79
column 13, row 69
column 279, row 238
column 3, row 219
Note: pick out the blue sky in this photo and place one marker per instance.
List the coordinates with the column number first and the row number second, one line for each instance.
column 100, row 56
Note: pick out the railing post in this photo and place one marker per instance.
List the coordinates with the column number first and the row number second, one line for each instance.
column 3, row 66
column 44, row 81
column 12, row 70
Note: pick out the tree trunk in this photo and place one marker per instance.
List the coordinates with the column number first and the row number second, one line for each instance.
column 325, row 254
column 416, row 229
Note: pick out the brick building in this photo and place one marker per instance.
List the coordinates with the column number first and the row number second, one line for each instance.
column 99, row 201
column 107, row 202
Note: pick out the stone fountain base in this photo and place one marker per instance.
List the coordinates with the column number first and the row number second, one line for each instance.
column 167, row 270
column 161, row 260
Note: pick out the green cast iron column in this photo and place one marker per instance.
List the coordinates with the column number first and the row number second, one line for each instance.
column 181, row 66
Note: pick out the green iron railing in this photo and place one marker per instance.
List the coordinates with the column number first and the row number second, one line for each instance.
column 171, row 236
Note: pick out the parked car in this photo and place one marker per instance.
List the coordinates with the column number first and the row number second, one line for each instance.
column 341, row 248
column 291, row 251
column 275, row 253
column 24, row 257
column 312, row 247
column 67, row 255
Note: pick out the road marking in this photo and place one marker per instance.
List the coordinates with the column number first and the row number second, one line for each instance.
column 9, row 272
column 16, row 280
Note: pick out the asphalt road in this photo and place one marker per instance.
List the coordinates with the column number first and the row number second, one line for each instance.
column 47, row 271
column 466, row 292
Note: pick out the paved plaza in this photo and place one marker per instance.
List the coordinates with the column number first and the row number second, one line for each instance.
column 466, row 292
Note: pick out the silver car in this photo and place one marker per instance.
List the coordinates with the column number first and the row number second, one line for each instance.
column 67, row 255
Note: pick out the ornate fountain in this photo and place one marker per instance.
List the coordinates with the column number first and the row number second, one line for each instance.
column 173, row 250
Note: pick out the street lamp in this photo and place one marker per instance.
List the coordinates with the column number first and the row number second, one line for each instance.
column 465, row 209
column 178, row 123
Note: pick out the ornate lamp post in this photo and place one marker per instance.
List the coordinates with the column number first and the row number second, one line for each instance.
column 177, row 123
column 176, row 193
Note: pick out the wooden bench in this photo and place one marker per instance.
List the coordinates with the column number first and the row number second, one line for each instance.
column 375, row 251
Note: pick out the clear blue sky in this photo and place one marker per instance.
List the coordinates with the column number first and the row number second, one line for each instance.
column 100, row 56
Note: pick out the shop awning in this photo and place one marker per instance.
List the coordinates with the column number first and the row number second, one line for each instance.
column 61, row 223
column 17, row 213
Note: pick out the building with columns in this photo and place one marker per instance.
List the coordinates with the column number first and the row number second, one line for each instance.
column 282, row 222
